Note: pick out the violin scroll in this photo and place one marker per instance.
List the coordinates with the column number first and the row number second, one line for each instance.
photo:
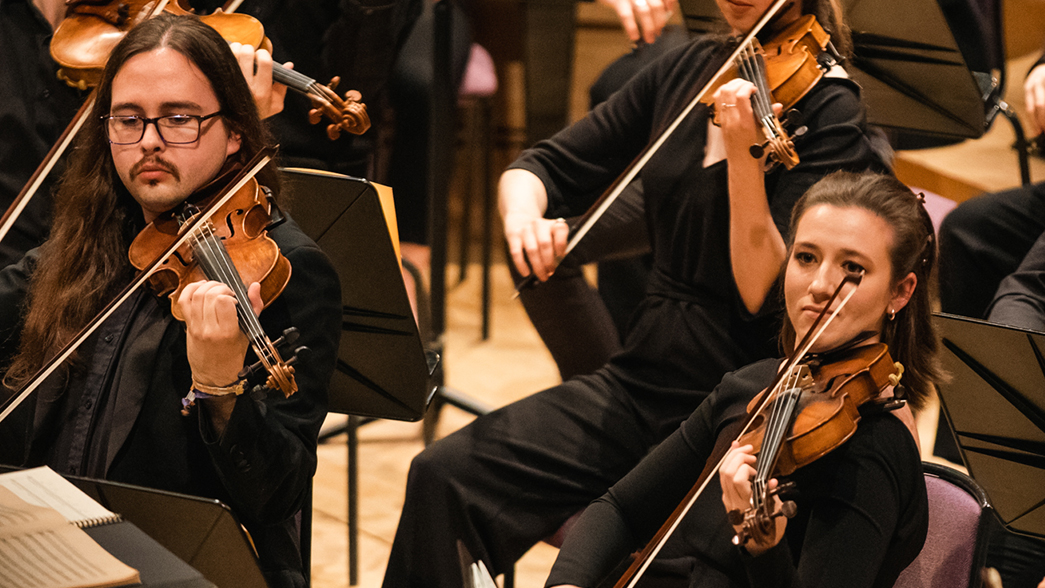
column 757, row 524
column 349, row 114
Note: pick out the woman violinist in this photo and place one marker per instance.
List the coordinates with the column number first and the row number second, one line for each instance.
column 862, row 512
column 717, row 225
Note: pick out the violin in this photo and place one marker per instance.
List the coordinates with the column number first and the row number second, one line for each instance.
column 83, row 41
column 783, row 71
column 815, row 412
column 234, row 249
column 810, row 409
column 795, row 61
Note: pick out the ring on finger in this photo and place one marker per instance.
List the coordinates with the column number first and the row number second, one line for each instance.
column 640, row 3
column 560, row 220
column 724, row 105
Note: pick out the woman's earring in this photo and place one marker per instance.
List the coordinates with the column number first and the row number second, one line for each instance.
column 892, row 314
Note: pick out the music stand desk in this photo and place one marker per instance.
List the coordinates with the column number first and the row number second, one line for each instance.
column 995, row 403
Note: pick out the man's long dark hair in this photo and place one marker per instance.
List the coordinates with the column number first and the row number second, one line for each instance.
column 84, row 262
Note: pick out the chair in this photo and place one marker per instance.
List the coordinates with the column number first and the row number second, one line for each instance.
column 960, row 518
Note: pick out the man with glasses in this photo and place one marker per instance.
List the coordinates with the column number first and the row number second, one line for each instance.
column 173, row 114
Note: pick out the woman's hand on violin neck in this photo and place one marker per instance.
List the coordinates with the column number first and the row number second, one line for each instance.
column 735, row 115
column 534, row 242
column 256, row 66
column 215, row 344
column 735, row 477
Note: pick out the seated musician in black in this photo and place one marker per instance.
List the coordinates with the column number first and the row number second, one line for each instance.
column 173, row 113
column 862, row 512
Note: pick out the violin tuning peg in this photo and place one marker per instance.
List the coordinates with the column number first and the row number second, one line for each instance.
column 334, row 81
column 314, row 116
column 784, row 488
column 788, row 509
column 333, row 132
column 800, row 131
column 890, row 404
column 757, row 151
column 792, row 117
column 290, row 336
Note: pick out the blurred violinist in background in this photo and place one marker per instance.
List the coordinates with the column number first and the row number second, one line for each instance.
column 146, row 399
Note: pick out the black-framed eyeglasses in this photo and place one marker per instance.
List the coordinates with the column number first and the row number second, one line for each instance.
column 174, row 129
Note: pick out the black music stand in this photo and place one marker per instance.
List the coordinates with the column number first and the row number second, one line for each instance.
column 908, row 63
column 383, row 370
column 201, row 531
column 995, row 403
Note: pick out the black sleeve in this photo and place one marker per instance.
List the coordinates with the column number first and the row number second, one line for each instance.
column 1020, row 299
column 582, row 160
column 267, row 453
column 630, row 514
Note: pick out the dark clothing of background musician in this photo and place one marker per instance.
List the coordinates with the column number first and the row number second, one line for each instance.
column 35, row 107
column 581, row 327
column 983, row 240
column 862, row 515
column 357, row 40
column 118, row 416
column 512, row 477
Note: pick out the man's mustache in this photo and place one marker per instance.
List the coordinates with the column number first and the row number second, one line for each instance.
column 154, row 163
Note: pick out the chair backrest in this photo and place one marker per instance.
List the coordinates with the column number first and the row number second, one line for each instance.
column 959, row 519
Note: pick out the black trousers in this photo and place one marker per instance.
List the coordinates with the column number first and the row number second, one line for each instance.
column 984, row 240
column 512, row 477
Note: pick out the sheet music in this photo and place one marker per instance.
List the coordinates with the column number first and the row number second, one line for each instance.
column 43, row 486
column 39, row 548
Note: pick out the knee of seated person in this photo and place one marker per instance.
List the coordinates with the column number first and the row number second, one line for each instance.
column 437, row 464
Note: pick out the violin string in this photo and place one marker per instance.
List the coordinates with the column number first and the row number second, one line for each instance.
column 744, row 66
column 761, row 99
column 769, row 443
column 293, row 79
column 212, row 254
column 262, row 345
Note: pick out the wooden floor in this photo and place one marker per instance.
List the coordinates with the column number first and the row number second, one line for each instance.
column 513, row 363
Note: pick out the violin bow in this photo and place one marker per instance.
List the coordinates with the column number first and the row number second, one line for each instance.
column 255, row 165
column 638, row 567
column 45, row 167
column 584, row 224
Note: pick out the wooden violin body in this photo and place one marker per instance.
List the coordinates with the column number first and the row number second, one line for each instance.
column 828, row 412
column 783, row 70
column 813, row 413
column 240, row 226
